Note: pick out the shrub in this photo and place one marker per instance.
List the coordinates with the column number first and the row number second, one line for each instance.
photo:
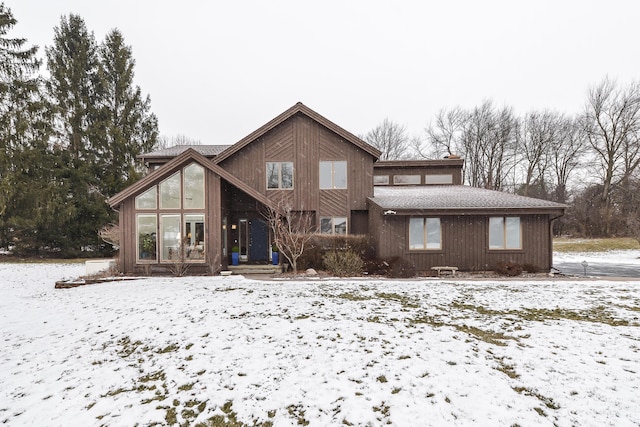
column 400, row 268
column 321, row 244
column 530, row 268
column 343, row 263
column 508, row 268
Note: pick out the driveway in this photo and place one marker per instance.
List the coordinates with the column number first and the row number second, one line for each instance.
column 595, row 268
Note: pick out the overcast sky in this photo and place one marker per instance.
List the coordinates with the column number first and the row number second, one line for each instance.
column 217, row 70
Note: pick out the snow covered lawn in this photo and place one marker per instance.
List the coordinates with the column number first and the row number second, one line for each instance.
column 226, row 351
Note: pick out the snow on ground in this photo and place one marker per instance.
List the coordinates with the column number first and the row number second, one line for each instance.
column 611, row 257
column 205, row 350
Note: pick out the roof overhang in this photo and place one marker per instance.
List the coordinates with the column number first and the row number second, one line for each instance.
column 189, row 155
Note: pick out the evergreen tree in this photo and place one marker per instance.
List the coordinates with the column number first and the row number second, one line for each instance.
column 28, row 190
column 75, row 90
column 129, row 128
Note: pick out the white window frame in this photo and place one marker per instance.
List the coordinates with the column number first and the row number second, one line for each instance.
column 334, row 220
column 501, row 229
column 333, row 185
column 407, row 179
column 428, row 243
column 438, row 179
column 278, row 166
column 381, row 180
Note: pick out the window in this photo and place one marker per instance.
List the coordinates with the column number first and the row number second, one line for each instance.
column 438, row 179
column 279, row 175
column 172, row 235
column 505, row 233
column 333, row 175
column 170, row 192
column 333, row 225
column 148, row 199
column 193, row 187
column 194, row 237
column 147, row 246
column 406, row 179
column 381, row 180
column 425, row 233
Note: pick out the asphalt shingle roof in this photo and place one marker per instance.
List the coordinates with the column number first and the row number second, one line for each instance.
column 454, row 197
column 205, row 150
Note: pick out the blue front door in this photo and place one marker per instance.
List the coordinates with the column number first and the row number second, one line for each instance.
column 258, row 240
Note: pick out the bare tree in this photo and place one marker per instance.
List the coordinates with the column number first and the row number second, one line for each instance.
column 611, row 122
column 165, row 141
column 537, row 134
column 292, row 230
column 110, row 234
column 390, row 138
column 566, row 155
column 445, row 133
column 488, row 141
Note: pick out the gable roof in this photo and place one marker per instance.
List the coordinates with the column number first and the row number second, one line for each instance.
column 452, row 199
column 296, row 109
column 190, row 154
column 205, row 150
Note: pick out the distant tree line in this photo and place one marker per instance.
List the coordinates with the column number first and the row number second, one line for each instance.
column 68, row 141
column 589, row 161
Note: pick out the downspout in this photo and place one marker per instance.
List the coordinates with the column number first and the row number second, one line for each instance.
column 551, row 240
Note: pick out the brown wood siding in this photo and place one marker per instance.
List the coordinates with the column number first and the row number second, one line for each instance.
column 213, row 220
column 333, row 203
column 306, row 142
column 464, row 242
column 213, row 225
column 455, row 172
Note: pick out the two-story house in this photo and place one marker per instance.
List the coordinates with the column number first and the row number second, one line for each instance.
column 207, row 200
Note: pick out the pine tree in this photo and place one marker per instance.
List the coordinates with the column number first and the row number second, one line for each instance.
column 28, row 191
column 129, row 128
column 75, row 90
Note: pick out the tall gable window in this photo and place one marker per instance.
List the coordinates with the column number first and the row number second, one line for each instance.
column 333, row 175
column 174, row 230
column 170, row 192
column 425, row 234
column 193, row 187
column 279, row 175
column 505, row 233
column 148, row 199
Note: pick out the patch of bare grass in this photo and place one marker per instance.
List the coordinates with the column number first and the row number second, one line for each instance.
column 595, row 245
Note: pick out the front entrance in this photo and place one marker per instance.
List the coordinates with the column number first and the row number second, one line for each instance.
column 259, row 240
column 253, row 240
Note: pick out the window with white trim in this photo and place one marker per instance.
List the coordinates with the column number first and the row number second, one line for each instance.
column 425, row 234
column 333, row 225
column 406, row 179
column 438, row 179
column 279, row 175
column 505, row 232
column 333, row 175
column 381, row 180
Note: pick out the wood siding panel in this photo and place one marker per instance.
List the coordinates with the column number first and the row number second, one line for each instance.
column 333, row 203
column 464, row 242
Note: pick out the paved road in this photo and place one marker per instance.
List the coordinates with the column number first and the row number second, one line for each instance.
column 604, row 269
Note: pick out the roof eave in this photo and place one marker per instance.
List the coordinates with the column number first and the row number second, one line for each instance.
column 297, row 108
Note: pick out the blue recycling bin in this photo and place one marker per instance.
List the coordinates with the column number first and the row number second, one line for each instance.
column 235, row 258
column 274, row 258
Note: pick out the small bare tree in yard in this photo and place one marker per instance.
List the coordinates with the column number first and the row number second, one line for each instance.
column 110, row 234
column 180, row 266
column 292, row 230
